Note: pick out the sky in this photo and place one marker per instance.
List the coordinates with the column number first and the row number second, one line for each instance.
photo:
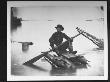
column 39, row 29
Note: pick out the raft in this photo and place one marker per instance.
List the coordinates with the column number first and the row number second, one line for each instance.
column 66, row 61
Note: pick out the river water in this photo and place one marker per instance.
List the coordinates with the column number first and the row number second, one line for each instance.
column 43, row 68
column 39, row 34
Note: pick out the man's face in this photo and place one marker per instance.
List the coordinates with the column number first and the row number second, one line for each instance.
column 59, row 29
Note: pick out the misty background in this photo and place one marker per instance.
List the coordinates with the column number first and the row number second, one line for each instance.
column 43, row 20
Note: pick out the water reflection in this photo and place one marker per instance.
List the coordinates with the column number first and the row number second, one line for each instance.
column 35, row 67
column 15, row 21
column 62, row 72
column 40, row 68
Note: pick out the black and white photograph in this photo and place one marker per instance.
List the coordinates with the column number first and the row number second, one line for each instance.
column 57, row 40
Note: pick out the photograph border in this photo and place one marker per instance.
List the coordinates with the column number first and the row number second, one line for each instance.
column 17, row 78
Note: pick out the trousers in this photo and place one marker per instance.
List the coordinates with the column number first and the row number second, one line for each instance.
column 62, row 48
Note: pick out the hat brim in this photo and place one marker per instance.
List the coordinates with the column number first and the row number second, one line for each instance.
column 60, row 27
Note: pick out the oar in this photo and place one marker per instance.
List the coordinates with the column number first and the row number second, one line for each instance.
column 67, row 40
column 76, row 35
column 37, row 57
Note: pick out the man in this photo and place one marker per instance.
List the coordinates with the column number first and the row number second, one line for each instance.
column 57, row 39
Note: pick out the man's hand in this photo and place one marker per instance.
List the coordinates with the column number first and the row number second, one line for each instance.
column 55, row 49
column 71, row 40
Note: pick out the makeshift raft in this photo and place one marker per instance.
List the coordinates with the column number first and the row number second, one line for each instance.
column 66, row 61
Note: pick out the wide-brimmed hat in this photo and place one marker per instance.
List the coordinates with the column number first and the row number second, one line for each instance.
column 59, row 26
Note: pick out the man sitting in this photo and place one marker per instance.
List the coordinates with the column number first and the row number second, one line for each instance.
column 57, row 39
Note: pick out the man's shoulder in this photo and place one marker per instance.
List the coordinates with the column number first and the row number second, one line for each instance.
column 54, row 32
column 63, row 33
column 57, row 33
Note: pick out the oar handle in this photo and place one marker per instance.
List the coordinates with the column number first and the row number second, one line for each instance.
column 76, row 35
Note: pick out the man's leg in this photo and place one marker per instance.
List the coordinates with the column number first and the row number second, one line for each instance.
column 58, row 52
column 70, row 47
column 63, row 47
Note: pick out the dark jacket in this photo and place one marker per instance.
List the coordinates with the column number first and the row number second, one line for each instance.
column 57, row 38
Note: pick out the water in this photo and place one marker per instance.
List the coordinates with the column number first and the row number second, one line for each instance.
column 41, row 68
column 39, row 33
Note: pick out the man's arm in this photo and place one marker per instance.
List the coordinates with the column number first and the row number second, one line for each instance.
column 51, row 40
column 67, row 37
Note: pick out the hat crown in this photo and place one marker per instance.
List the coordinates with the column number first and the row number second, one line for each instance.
column 60, row 26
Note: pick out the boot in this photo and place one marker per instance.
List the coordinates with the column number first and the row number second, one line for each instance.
column 73, row 52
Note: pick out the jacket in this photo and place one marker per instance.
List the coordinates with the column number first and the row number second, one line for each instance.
column 57, row 38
